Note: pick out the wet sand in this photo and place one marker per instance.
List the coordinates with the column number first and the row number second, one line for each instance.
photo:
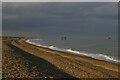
column 23, row 60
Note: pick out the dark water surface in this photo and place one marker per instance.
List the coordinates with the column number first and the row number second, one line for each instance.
column 99, row 48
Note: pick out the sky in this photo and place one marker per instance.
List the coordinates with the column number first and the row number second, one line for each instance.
column 60, row 0
column 0, row 19
column 60, row 18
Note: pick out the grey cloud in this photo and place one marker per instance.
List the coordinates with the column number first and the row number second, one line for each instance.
column 61, row 17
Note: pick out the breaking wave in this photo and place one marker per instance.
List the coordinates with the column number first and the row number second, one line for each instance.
column 77, row 52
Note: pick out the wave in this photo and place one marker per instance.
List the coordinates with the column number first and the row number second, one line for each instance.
column 77, row 52
column 52, row 47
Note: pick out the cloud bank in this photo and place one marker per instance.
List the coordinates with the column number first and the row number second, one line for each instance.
column 62, row 18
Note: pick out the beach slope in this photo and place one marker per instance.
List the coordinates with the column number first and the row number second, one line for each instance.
column 23, row 60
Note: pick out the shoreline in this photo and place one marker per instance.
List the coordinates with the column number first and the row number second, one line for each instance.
column 75, row 55
column 74, row 65
column 65, row 51
column 51, row 50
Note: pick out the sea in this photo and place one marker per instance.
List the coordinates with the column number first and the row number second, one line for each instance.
column 98, row 48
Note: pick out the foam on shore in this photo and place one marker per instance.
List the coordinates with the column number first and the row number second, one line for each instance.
column 72, row 51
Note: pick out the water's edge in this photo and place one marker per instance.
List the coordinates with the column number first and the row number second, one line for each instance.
column 72, row 51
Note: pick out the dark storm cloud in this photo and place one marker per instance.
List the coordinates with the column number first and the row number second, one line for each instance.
column 65, row 18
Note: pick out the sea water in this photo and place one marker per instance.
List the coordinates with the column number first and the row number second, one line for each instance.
column 99, row 48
